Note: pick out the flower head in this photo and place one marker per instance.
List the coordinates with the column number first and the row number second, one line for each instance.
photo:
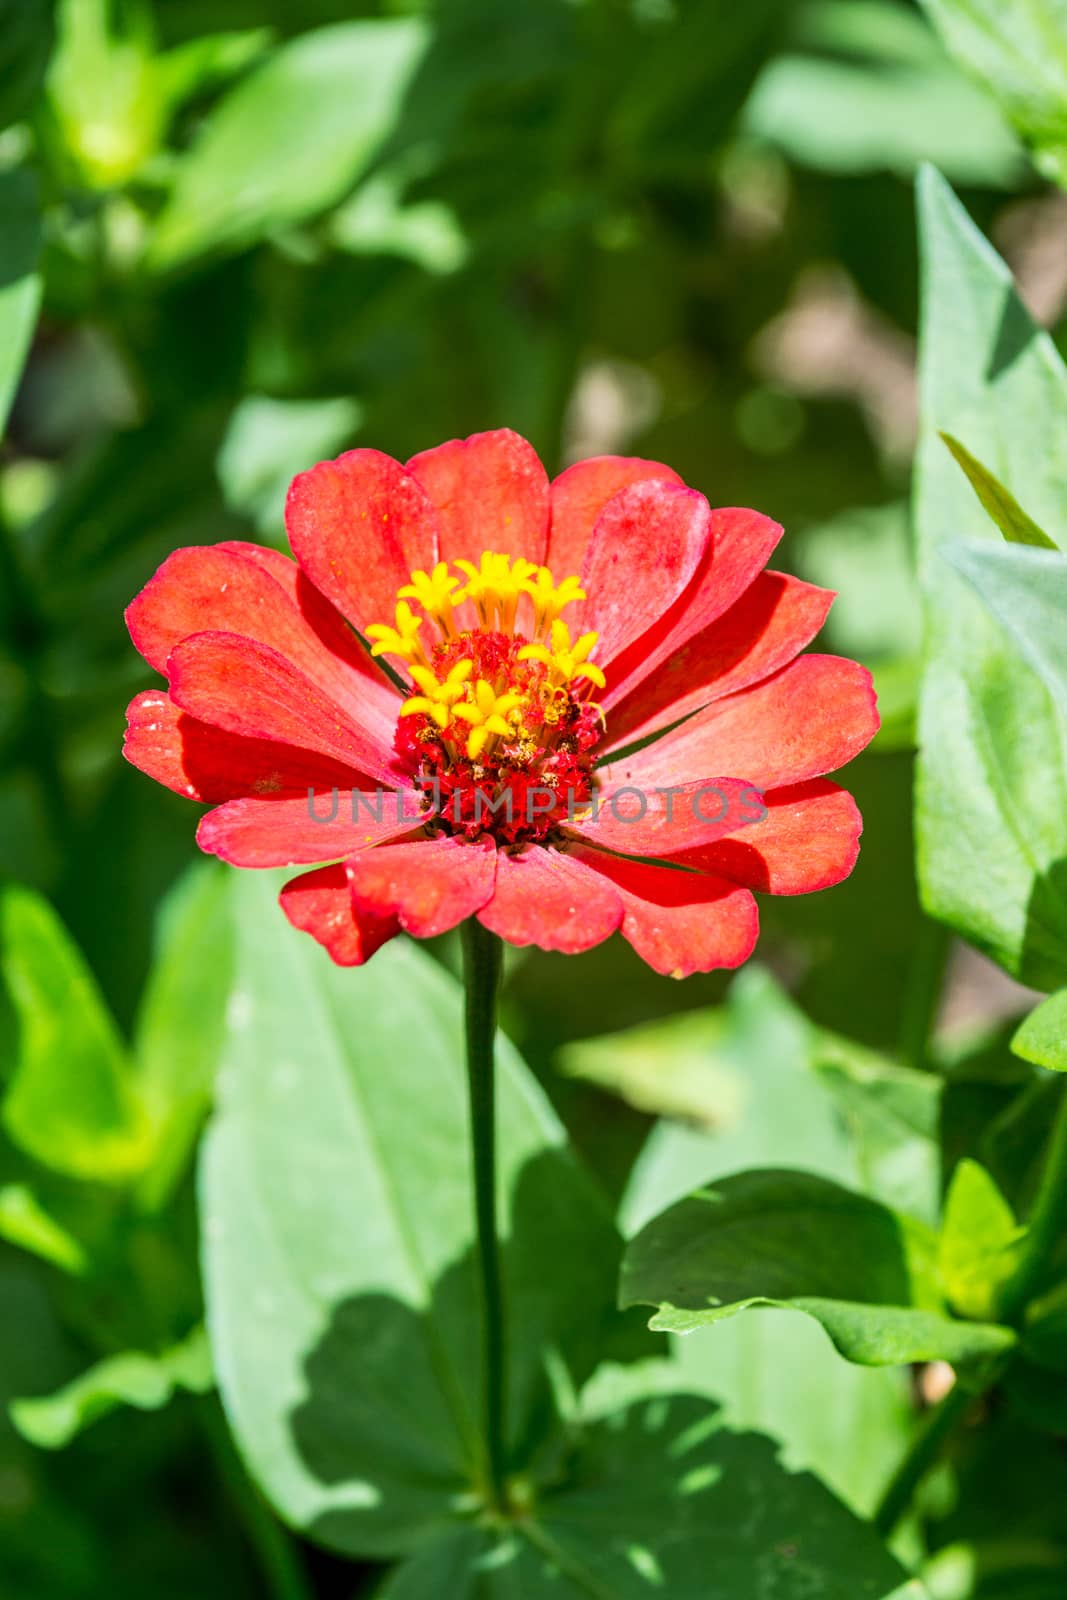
column 566, row 709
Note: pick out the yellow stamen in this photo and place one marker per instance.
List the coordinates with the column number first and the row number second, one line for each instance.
column 433, row 591
column 565, row 661
column 400, row 641
column 550, row 599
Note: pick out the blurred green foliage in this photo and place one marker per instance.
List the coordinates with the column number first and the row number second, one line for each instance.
column 239, row 236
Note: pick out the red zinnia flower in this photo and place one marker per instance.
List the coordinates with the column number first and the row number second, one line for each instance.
column 494, row 782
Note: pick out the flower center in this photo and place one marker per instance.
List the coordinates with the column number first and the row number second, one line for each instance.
column 500, row 728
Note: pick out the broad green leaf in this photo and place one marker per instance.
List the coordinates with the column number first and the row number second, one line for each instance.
column 1026, row 590
column 180, row 1025
column 991, row 795
column 874, row 91
column 268, row 442
column 130, row 1379
column 1020, row 53
column 337, row 1226
column 979, row 1245
column 1009, row 516
column 759, row 1085
column 25, row 1222
column 793, row 1240
column 742, row 1076
column 1042, row 1037
column 329, row 98
column 892, row 1115
column 772, row 1088
column 71, row 1101
column 666, row 1500
column 20, row 285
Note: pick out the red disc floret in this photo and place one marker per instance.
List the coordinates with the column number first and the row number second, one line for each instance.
column 524, row 785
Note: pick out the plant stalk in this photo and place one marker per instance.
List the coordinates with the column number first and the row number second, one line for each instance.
column 1047, row 1223
column 481, row 973
column 923, row 1451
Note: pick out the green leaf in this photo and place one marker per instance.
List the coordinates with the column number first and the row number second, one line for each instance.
column 181, row 1023
column 791, row 1239
column 1020, row 52
column 268, row 442
column 20, row 284
column 103, row 90
column 71, row 1102
column 874, row 92
column 198, row 64
column 991, row 795
column 25, row 1222
column 759, row 1085
column 1009, row 516
column 1042, row 1037
column 130, row 1379
column 338, row 1230
column 665, row 1500
column 329, row 98
column 1026, row 590
column 980, row 1241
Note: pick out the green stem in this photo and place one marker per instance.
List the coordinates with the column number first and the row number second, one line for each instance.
column 276, row 1552
column 923, row 998
column 1047, row 1223
column 925, row 1447
column 481, row 973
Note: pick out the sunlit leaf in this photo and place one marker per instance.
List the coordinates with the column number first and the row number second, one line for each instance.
column 71, row 1101
column 338, row 1234
column 793, row 1240
column 875, row 91
column 980, row 1241
column 1020, row 52
column 1007, row 513
column 130, row 1379
column 992, row 796
column 1042, row 1037
column 181, row 1021
column 25, row 1222
column 1026, row 590
column 665, row 1500
column 329, row 97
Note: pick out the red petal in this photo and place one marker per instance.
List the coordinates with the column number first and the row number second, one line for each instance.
column 580, row 494
column 358, row 527
column 491, row 493
column 810, row 840
column 206, row 763
column 645, row 819
column 250, row 689
column 319, row 903
column 738, row 549
column 545, row 898
column 430, row 885
column 771, row 623
column 648, row 542
column 680, row 922
column 327, row 623
column 261, row 595
column 295, row 831
column 807, row 720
